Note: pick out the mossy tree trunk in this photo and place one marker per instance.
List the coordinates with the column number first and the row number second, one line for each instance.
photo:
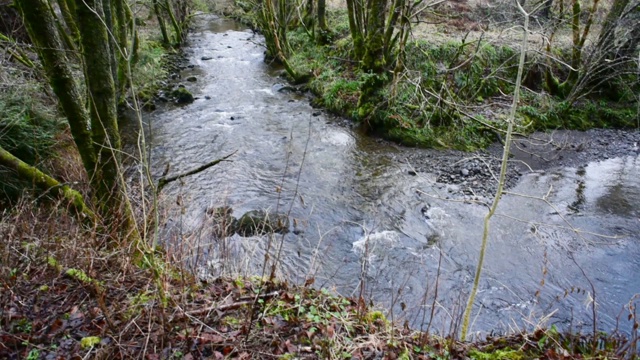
column 323, row 29
column 42, row 30
column 564, row 89
column 121, row 24
column 45, row 182
column 107, row 20
column 161, row 23
column 64, row 34
column 95, row 132
column 177, row 26
column 373, row 59
column 107, row 182
column 67, row 9
column 355, row 11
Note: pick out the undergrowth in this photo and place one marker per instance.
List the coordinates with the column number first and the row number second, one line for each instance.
column 449, row 94
column 29, row 126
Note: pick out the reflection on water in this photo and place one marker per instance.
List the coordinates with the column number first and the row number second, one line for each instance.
column 352, row 205
column 615, row 185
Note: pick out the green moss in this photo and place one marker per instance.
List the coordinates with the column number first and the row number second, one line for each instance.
column 502, row 354
column 182, row 95
column 89, row 342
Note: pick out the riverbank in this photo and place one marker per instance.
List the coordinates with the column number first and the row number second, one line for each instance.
column 67, row 296
column 454, row 88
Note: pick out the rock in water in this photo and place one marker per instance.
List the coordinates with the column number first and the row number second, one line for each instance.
column 258, row 222
column 182, row 95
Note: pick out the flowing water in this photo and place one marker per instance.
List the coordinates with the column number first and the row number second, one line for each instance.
column 362, row 221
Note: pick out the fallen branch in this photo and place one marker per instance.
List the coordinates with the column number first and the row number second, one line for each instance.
column 165, row 180
column 46, row 182
column 234, row 305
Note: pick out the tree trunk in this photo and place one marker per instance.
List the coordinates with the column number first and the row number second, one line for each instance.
column 163, row 26
column 71, row 46
column 177, row 27
column 322, row 14
column 67, row 15
column 42, row 30
column 107, row 19
column 107, row 182
column 354, row 11
column 374, row 47
column 123, row 54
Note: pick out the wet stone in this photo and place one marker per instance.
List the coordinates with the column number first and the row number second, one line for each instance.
column 259, row 222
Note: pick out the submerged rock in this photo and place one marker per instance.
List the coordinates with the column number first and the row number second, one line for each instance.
column 258, row 222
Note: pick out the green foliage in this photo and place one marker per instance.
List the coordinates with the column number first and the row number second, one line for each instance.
column 149, row 70
column 582, row 116
column 501, row 354
column 341, row 95
column 34, row 354
column 470, row 70
column 27, row 126
column 82, row 277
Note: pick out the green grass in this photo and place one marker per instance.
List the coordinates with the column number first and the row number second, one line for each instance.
column 149, row 70
column 29, row 125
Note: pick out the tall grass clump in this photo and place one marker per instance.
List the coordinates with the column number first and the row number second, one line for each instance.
column 29, row 128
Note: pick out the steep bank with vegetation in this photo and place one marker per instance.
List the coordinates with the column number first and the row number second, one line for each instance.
column 450, row 87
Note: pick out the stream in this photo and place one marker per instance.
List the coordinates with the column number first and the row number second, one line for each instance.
column 363, row 222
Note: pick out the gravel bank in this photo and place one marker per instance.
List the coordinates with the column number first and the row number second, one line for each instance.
column 473, row 175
